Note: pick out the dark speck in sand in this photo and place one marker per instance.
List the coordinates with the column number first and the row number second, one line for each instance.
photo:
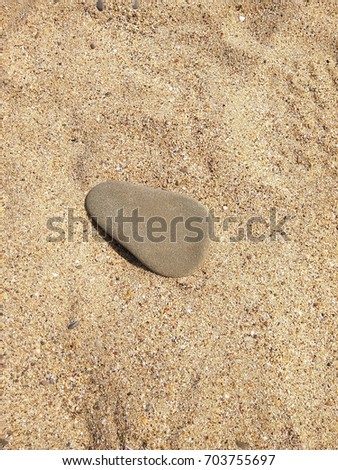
column 73, row 324
column 242, row 444
column 3, row 443
column 100, row 5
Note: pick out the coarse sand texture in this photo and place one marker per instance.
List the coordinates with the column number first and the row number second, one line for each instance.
column 231, row 104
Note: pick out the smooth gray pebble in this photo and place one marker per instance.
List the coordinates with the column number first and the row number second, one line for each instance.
column 100, row 5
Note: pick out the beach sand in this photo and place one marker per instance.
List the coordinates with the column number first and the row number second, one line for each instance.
column 232, row 103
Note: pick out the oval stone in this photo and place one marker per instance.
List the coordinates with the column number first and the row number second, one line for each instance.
column 166, row 231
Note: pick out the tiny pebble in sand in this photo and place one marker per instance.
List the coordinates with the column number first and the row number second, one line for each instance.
column 100, row 5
